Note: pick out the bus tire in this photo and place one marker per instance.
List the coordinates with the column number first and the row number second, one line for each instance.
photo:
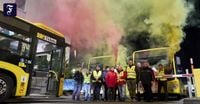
column 6, row 86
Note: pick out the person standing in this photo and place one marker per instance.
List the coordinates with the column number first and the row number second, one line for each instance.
column 147, row 78
column 104, row 95
column 78, row 78
column 121, row 83
column 97, row 81
column 138, row 82
column 131, row 79
column 111, row 82
column 162, row 82
column 87, row 86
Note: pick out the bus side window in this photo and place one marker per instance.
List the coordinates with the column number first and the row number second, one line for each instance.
column 25, row 48
column 4, row 43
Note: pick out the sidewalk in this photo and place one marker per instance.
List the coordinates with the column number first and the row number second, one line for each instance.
column 68, row 99
column 191, row 101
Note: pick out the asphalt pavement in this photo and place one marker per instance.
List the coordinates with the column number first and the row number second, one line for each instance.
column 68, row 100
column 81, row 102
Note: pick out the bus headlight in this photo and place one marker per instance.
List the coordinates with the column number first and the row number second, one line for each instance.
column 22, row 87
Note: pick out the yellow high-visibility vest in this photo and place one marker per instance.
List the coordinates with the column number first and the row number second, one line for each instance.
column 162, row 73
column 96, row 74
column 87, row 78
column 131, row 72
column 119, row 75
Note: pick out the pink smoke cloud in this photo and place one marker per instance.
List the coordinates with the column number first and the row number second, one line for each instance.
column 77, row 20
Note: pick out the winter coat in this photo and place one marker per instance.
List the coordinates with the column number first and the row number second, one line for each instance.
column 78, row 77
column 146, row 75
column 138, row 72
column 121, row 77
column 104, row 75
column 111, row 79
column 94, row 80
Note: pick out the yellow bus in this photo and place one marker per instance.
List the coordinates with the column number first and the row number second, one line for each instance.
column 31, row 59
column 106, row 60
column 156, row 56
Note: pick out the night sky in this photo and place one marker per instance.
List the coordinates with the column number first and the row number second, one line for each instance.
column 190, row 47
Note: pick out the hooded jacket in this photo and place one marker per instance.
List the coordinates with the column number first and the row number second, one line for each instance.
column 111, row 79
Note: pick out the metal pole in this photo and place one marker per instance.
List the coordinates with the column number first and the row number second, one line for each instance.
column 189, row 83
column 192, row 68
column 191, row 63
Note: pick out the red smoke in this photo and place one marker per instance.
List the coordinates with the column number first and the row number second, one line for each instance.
column 76, row 19
column 114, row 36
column 77, row 22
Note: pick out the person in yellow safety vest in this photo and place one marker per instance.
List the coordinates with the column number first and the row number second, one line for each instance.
column 131, row 79
column 87, row 85
column 121, row 83
column 162, row 82
column 96, row 82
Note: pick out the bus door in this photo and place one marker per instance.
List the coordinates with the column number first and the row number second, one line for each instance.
column 47, row 68
column 55, row 72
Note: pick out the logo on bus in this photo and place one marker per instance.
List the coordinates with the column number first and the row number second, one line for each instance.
column 9, row 9
column 44, row 37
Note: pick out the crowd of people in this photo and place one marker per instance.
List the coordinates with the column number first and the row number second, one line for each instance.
column 113, row 81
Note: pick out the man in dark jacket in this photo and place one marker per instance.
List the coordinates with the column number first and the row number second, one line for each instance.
column 78, row 78
column 146, row 77
column 104, row 95
column 97, row 82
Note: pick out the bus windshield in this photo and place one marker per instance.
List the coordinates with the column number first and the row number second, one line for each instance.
column 154, row 57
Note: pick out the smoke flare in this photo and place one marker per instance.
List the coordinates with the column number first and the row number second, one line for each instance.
column 96, row 27
column 162, row 22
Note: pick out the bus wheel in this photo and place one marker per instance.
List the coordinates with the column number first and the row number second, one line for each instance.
column 6, row 86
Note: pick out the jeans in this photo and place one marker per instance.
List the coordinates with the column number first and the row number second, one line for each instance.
column 121, row 89
column 104, row 95
column 111, row 93
column 77, row 90
column 96, row 90
column 86, row 88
